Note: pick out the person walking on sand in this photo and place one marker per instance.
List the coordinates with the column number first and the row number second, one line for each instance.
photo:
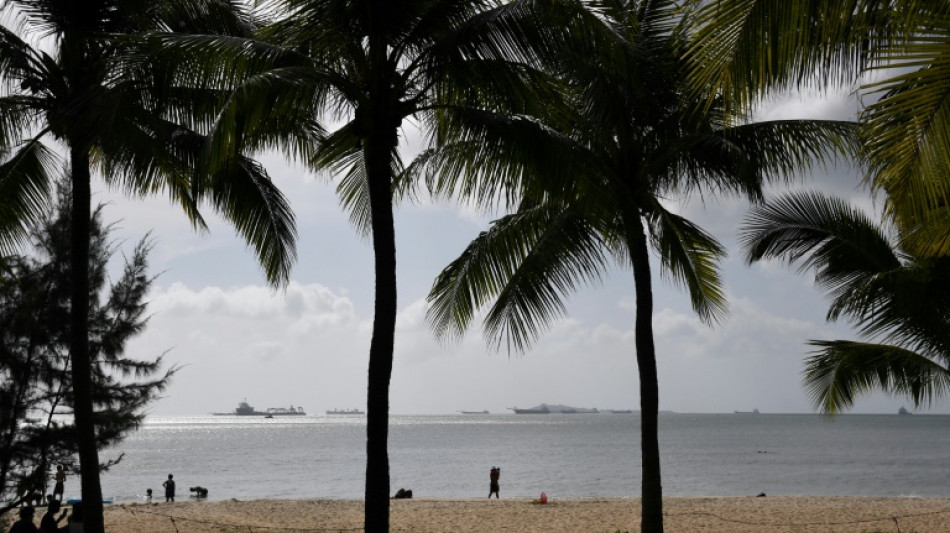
column 60, row 478
column 493, row 476
column 169, row 485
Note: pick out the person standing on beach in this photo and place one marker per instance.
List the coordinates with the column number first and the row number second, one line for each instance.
column 493, row 476
column 60, row 478
column 169, row 485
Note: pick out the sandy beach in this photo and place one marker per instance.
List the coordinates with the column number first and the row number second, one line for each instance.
column 708, row 515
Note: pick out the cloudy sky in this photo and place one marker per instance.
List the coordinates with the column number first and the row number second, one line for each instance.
column 234, row 337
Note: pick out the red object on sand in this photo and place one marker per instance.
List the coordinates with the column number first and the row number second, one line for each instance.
column 544, row 498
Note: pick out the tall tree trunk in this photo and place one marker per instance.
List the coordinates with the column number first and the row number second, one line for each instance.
column 651, row 517
column 376, row 512
column 79, row 343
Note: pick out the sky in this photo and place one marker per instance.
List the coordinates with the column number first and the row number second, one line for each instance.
column 234, row 338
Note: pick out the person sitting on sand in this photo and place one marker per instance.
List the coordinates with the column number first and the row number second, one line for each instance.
column 25, row 523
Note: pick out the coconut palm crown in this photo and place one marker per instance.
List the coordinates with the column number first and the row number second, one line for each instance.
column 594, row 181
column 75, row 76
column 332, row 83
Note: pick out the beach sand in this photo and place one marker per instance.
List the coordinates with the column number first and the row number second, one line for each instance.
column 707, row 515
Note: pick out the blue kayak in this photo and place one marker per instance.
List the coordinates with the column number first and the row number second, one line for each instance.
column 74, row 501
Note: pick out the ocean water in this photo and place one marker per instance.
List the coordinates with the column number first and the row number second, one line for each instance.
column 567, row 456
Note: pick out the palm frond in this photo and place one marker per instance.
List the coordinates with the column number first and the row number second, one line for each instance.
column 353, row 191
column 25, row 186
column 785, row 147
column 486, row 156
column 245, row 195
column 18, row 114
column 840, row 371
column 218, row 17
column 272, row 110
column 690, row 256
column 527, row 261
column 745, row 47
column 906, row 135
column 841, row 243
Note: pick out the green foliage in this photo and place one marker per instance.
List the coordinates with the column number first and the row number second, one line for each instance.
column 36, row 429
column 898, row 300
column 103, row 93
column 894, row 53
column 593, row 168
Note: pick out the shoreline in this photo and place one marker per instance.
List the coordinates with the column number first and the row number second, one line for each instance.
column 740, row 514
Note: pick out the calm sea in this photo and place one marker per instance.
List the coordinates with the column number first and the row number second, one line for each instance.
column 567, row 456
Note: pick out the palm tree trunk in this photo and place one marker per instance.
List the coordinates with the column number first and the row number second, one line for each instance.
column 79, row 344
column 651, row 517
column 376, row 511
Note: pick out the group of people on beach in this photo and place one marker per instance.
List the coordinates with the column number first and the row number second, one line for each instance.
column 49, row 523
column 169, row 485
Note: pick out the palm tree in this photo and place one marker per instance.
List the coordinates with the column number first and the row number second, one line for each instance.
column 593, row 187
column 894, row 51
column 111, row 107
column 899, row 300
column 368, row 66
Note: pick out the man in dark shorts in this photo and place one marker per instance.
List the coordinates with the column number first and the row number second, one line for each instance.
column 493, row 476
column 60, row 478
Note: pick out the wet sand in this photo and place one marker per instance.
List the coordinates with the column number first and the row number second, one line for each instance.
column 796, row 514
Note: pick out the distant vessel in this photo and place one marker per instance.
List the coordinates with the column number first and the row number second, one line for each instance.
column 752, row 412
column 903, row 411
column 620, row 411
column 245, row 409
column 540, row 410
column 474, row 412
column 345, row 412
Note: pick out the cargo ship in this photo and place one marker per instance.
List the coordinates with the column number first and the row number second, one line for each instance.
column 539, row 410
column 245, row 409
column 352, row 412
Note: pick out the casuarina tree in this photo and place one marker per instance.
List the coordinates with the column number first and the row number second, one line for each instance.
column 35, row 384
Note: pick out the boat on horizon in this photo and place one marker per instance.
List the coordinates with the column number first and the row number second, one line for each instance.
column 245, row 409
column 540, row 410
column 352, row 412
column 620, row 411
column 752, row 412
column 474, row 412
